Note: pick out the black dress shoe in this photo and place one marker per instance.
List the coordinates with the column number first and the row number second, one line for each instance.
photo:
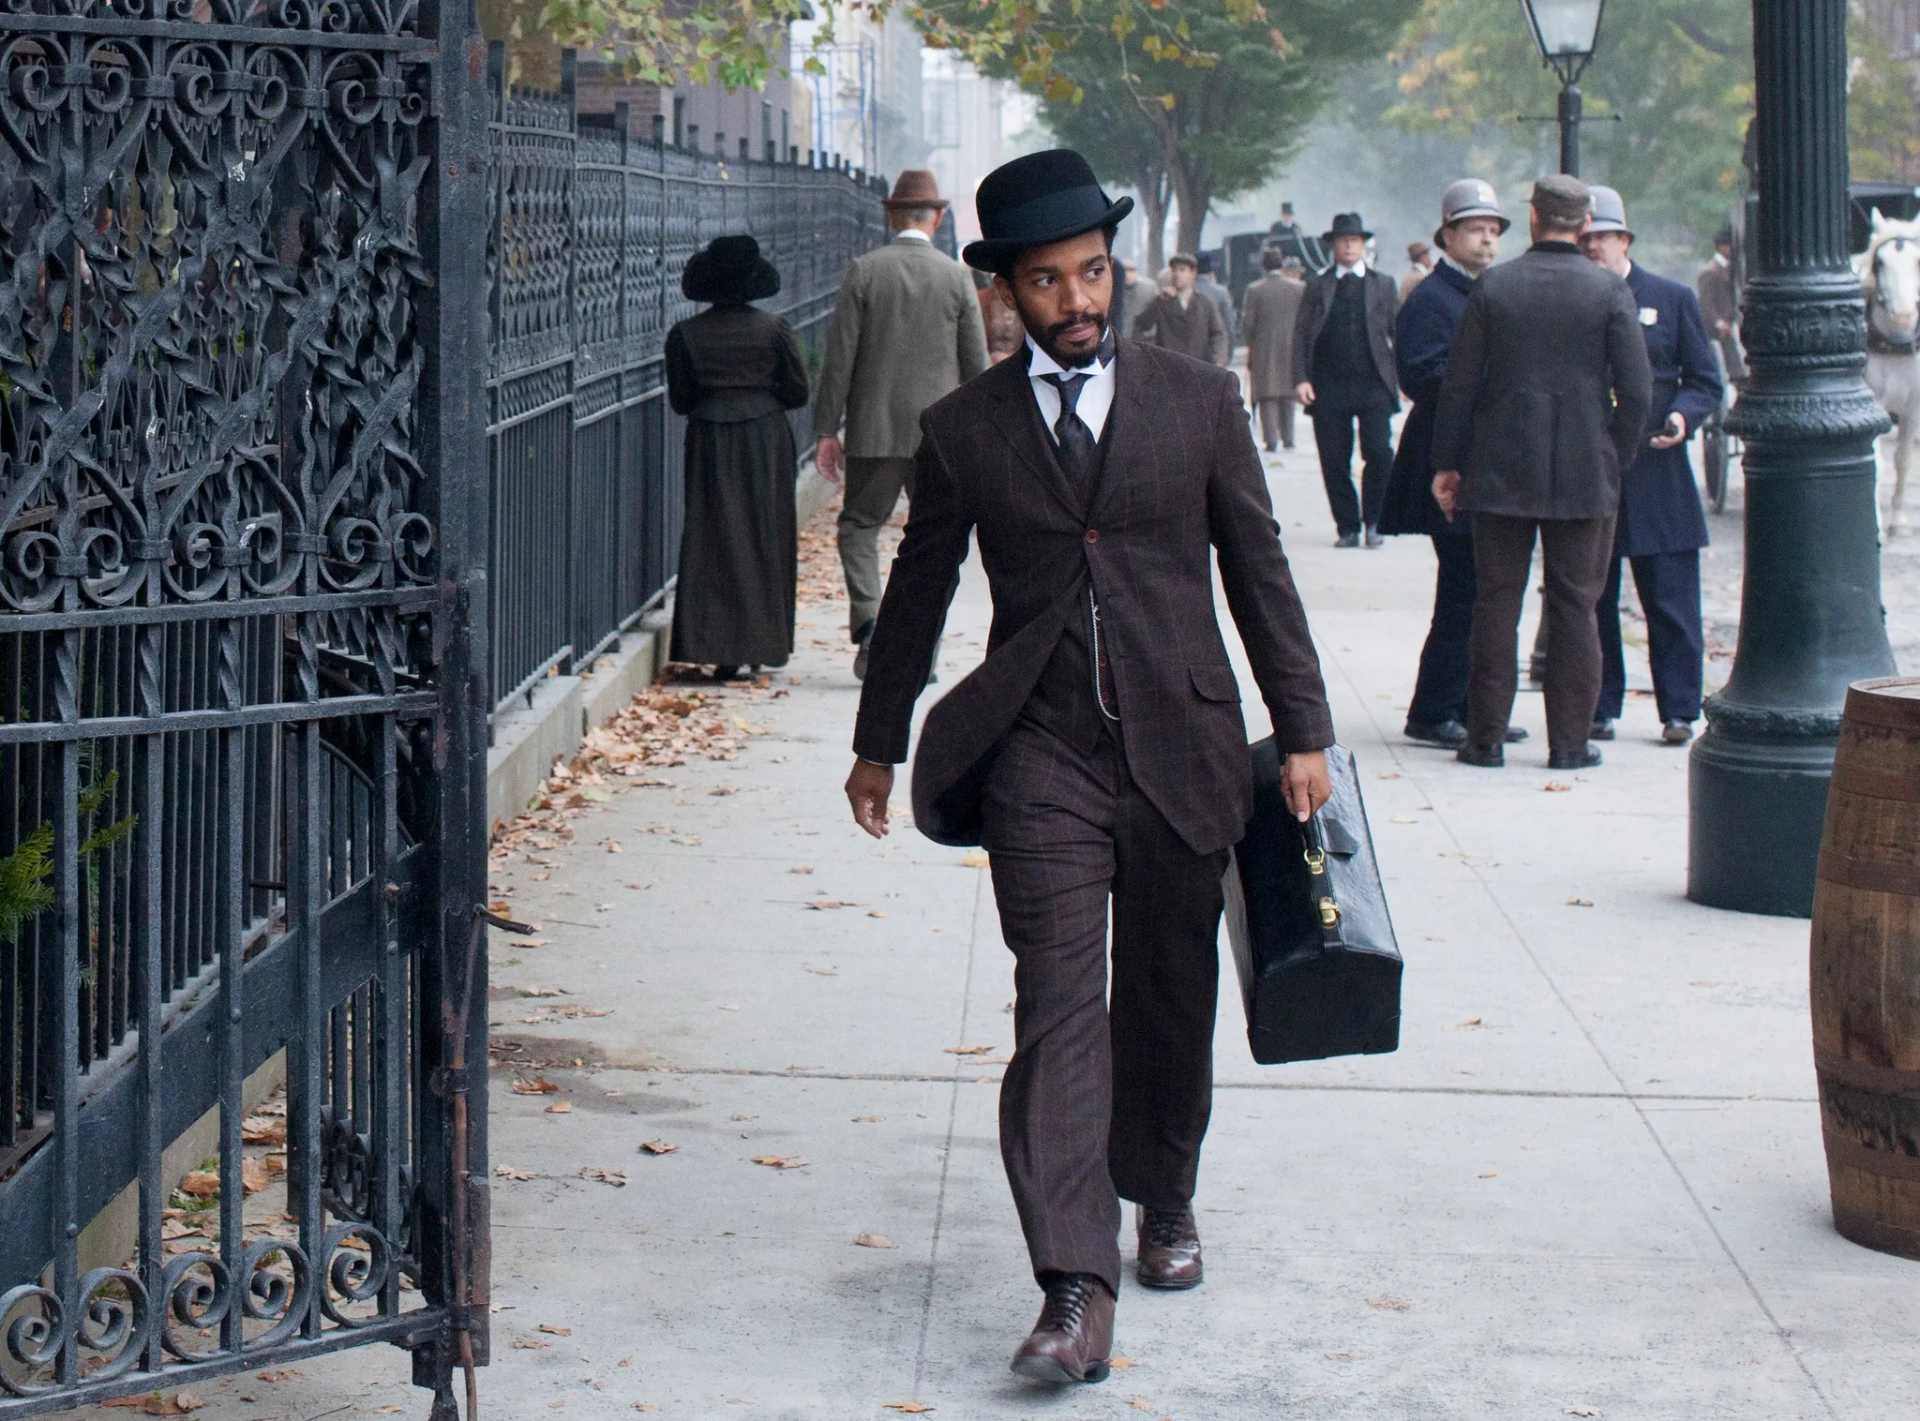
column 1374, row 540
column 1585, row 758
column 1602, row 729
column 1073, row 1340
column 1450, row 733
column 1515, row 734
column 1676, row 732
column 1487, row 757
column 1347, row 540
column 1169, row 1248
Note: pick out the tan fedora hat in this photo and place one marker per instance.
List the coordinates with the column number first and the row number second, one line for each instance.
column 915, row 187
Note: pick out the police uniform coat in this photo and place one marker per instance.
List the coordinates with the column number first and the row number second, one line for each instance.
column 1659, row 498
column 1422, row 338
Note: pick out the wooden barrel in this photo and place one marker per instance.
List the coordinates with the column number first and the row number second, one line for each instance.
column 1865, row 969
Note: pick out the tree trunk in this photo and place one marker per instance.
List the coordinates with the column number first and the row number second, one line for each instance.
column 1195, row 194
column 1150, row 182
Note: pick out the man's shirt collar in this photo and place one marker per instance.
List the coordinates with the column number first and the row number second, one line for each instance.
column 1359, row 268
column 912, row 234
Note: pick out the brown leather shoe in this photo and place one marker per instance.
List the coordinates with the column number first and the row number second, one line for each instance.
column 1169, row 1248
column 1073, row 1340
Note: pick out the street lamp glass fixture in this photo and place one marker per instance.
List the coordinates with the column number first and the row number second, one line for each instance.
column 1566, row 31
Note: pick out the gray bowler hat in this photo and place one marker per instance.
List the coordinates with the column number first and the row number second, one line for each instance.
column 1470, row 197
column 1609, row 212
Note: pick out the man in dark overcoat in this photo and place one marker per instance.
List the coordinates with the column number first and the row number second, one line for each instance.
column 1471, row 224
column 1543, row 403
column 1183, row 317
column 1662, row 526
column 1099, row 753
column 1343, row 359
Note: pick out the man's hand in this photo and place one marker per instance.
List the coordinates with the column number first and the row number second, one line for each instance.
column 1304, row 783
column 1446, row 491
column 829, row 457
column 1674, row 433
column 870, row 786
column 1303, row 392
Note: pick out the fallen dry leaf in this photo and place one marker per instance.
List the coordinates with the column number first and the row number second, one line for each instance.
column 690, row 841
column 1397, row 819
column 160, row 1403
column 824, row 971
column 1491, row 1174
column 1120, row 1364
column 264, row 1130
column 822, row 905
column 914, row 1407
column 1583, row 1411
column 1394, row 776
column 553, row 1331
column 1384, row 1304
column 1141, row 1404
column 877, row 913
column 873, row 1241
column 279, row 1374
column 201, row 1184
column 1579, row 902
column 614, row 848
column 1472, row 1023
column 560, row 1107
column 780, row 1161
column 603, row 1176
column 507, row 1171
column 658, row 1147
column 388, row 1410
column 541, row 991
column 868, row 1119
column 799, row 870
column 253, row 1175
column 1555, row 787
column 539, row 1085
column 531, row 1344
column 642, row 1406
column 966, row 1050
column 973, row 858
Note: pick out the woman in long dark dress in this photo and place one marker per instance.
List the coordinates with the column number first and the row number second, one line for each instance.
column 734, row 372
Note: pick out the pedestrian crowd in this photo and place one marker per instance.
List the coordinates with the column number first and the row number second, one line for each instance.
column 1099, row 751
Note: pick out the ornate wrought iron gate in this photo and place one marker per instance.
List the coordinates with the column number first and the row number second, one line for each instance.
column 242, row 800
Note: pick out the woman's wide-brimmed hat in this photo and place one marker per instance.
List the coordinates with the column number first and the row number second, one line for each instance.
column 1036, row 199
column 729, row 272
column 1346, row 224
column 915, row 187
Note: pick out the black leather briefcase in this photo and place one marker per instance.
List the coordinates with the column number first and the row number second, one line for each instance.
column 1307, row 916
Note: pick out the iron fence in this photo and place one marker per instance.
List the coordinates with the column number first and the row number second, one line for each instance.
column 591, row 228
column 241, row 749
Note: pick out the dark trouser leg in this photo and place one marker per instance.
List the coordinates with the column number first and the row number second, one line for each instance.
column 1502, row 554
column 1613, row 656
column 1575, row 553
column 1288, row 408
column 1050, row 828
column 1333, row 433
column 1166, row 967
column 1669, row 587
column 872, row 490
column 1440, row 693
column 1376, row 450
column 1269, row 421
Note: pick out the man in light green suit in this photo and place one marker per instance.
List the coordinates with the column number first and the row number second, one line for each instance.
column 906, row 331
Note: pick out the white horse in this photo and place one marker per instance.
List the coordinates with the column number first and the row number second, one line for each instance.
column 1890, row 272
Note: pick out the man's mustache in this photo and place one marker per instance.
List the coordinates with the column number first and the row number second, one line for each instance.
column 1058, row 329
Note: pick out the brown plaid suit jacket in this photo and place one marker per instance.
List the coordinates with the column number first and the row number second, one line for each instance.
column 1181, row 480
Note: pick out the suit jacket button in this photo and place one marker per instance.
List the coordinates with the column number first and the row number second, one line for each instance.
column 1093, row 535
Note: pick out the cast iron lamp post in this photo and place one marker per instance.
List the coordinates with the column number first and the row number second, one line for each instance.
column 1810, row 613
column 1566, row 31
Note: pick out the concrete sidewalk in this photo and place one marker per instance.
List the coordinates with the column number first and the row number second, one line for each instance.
column 1589, row 1183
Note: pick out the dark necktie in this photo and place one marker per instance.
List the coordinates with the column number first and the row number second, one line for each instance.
column 1075, row 439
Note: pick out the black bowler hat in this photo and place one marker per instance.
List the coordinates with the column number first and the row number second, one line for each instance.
column 729, row 272
column 1036, row 199
column 1346, row 224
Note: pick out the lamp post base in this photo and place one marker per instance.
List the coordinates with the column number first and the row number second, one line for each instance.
column 1755, row 812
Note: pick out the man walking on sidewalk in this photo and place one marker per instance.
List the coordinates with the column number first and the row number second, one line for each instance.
column 1542, row 405
column 1469, row 239
column 1343, row 359
column 1099, row 752
column 1662, row 526
column 1267, row 314
column 1183, row 319
column 906, row 330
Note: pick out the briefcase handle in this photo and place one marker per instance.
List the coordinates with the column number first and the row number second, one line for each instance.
column 1319, row 888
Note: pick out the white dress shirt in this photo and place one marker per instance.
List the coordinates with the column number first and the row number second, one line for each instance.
column 912, row 234
column 1096, row 396
column 1359, row 268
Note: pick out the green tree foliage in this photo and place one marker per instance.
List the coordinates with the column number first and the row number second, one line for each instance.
column 1883, row 120
column 1679, row 73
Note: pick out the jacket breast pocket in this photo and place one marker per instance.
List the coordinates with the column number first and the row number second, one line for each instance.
column 1214, row 682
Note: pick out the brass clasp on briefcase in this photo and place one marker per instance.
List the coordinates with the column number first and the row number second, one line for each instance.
column 1316, row 857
